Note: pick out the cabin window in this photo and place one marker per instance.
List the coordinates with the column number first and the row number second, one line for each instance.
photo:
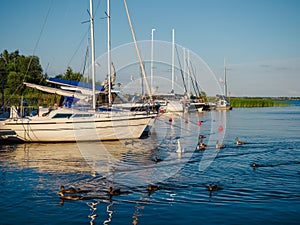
column 62, row 115
column 82, row 115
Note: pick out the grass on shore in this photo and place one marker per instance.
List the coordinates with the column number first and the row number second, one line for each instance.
column 257, row 102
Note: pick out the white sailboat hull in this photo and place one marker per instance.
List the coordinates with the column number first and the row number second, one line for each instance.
column 174, row 106
column 99, row 126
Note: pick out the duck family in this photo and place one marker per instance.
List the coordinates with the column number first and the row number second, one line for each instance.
column 202, row 146
column 150, row 188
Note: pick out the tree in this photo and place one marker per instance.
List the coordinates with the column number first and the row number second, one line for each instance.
column 15, row 69
column 70, row 75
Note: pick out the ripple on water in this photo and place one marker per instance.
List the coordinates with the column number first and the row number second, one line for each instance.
column 32, row 174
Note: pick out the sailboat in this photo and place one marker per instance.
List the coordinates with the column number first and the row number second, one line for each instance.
column 171, row 102
column 196, row 103
column 63, row 124
column 223, row 102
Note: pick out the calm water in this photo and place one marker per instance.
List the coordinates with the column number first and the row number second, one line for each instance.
column 31, row 174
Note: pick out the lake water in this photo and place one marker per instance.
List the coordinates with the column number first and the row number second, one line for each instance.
column 31, row 174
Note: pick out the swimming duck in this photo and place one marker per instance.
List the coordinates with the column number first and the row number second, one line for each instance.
column 201, row 136
column 114, row 192
column 153, row 187
column 214, row 188
column 219, row 146
column 201, row 146
column 255, row 165
column 72, row 190
column 156, row 159
column 68, row 197
column 238, row 142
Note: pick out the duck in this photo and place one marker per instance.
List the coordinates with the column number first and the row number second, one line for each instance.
column 72, row 190
column 201, row 146
column 255, row 165
column 238, row 142
column 114, row 192
column 156, row 159
column 219, row 146
column 201, row 136
column 214, row 188
column 153, row 187
column 68, row 197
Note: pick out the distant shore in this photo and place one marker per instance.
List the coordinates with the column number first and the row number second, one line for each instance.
column 247, row 102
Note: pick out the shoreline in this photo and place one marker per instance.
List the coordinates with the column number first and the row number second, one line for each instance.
column 249, row 102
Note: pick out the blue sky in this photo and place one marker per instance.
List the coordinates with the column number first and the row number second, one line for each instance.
column 258, row 38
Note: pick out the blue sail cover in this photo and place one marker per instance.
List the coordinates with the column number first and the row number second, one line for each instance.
column 76, row 83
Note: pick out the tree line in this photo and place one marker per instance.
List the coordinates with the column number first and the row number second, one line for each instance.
column 16, row 69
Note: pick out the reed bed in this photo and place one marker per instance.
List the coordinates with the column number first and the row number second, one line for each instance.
column 256, row 102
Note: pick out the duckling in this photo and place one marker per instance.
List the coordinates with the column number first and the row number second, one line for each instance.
column 114, row 192
column 238, row 142
column 219, row 146
column 68, row 197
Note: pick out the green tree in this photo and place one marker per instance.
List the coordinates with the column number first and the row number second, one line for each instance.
column 70, row 75
column 15, row 69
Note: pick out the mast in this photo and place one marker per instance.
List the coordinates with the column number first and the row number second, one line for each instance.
column 137, row 51
column 152, row 55
column 225, row 82
column 184, row 64
column 189, row 73
column 93, row 53
column 142, row 80
column 173, row 59
column 108, row 53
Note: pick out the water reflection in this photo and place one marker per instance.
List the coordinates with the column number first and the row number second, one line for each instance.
column 93, row 210
column 109, row 212
column 48, row 158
